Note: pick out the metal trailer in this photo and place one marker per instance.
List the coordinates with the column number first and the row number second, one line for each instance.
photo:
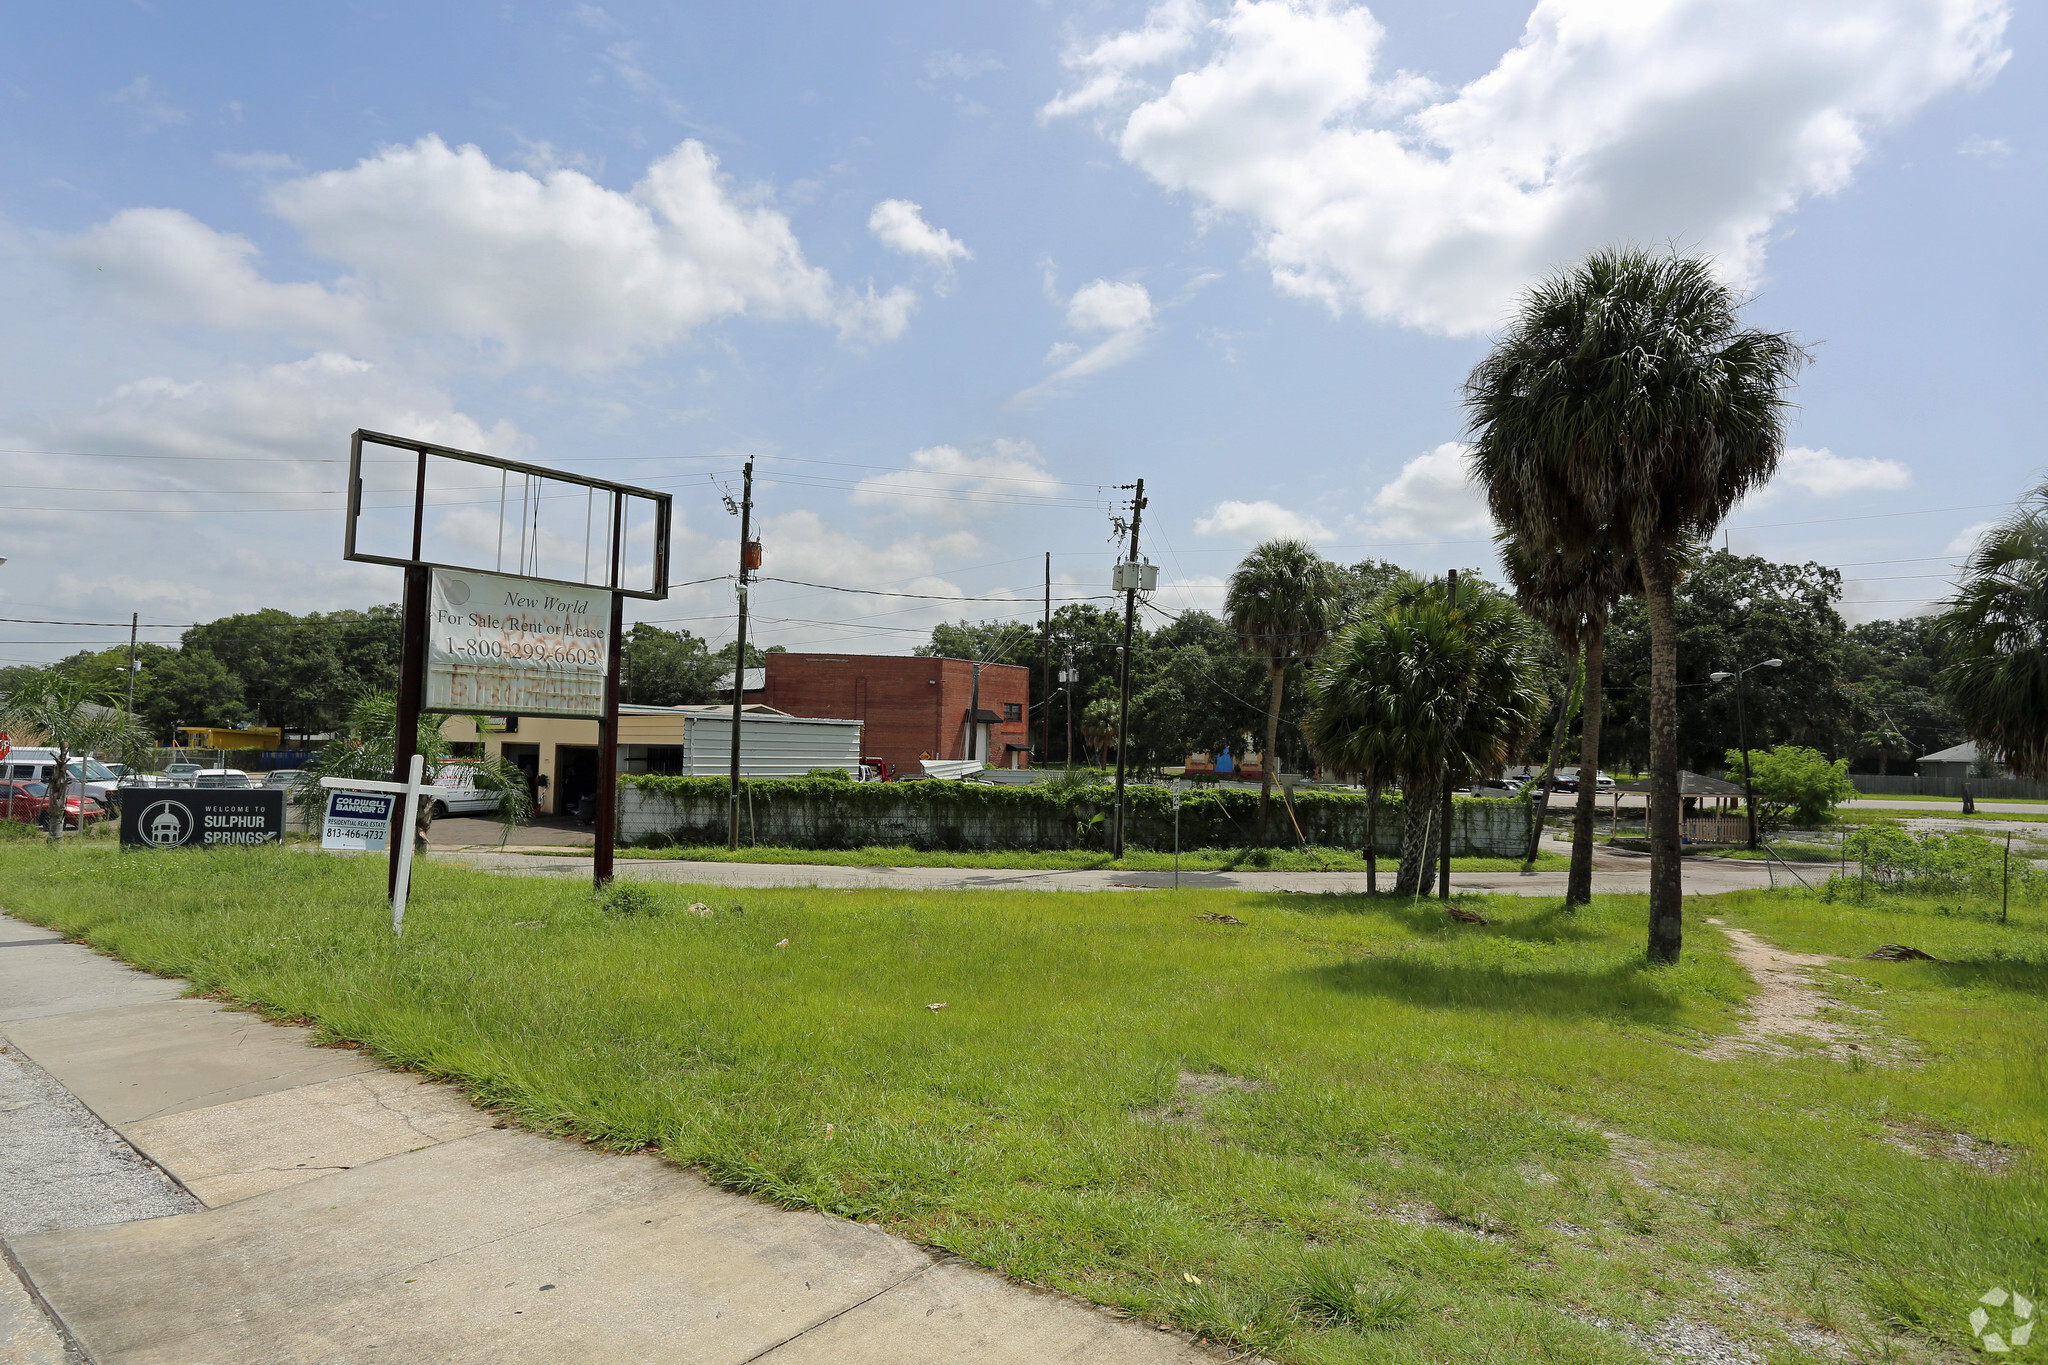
column 771, row 744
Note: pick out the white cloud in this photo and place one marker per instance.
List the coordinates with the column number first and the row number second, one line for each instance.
column 1824, row 474
column 1260, row 521
column 168, row 265
column 1970, row 537
column 954, row 484
column 900, row 225
column 1433, row 498
column 1992, row 151
column 1105, row 306
column 247, row 514
column 1695, row 121
column 151, row 109
column 1122, row 310
column 546, row 267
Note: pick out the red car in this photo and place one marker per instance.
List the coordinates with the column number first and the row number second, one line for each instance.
column 27, row 801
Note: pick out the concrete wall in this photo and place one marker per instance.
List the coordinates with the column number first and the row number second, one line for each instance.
column 996, row 818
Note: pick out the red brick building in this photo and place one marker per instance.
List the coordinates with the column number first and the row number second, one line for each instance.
column 914, row 708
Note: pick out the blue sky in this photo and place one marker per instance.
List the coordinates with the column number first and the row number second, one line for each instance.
column 947, row 271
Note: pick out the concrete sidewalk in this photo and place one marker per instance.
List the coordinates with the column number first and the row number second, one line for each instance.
column 210, row 1187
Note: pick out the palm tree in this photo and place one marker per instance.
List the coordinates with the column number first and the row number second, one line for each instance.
column 72, row 719
column 1281, row 605
column 367, row 749
column 1425, row 688
column 1995, row 631
column 1570, row 584
column 1626, row 403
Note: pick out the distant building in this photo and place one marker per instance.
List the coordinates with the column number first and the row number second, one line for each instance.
column 913, row 708
column 1958, row 762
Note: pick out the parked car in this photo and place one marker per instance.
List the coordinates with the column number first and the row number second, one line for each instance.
column 27, row 802
column 283, row 779
column 1568, row 780
column 1498, row 787
column 181, row 774
column 231, row 778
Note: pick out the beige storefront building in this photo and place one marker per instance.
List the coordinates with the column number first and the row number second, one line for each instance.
column 559, row 757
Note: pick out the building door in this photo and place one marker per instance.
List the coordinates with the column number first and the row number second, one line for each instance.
column 526, row 758
column 575, row 776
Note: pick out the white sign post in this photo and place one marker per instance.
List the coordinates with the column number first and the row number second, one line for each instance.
column 412, row 790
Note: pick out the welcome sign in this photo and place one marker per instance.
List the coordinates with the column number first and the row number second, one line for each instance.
column 516, row 646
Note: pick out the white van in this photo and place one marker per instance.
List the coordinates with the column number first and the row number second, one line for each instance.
column 40, row 765
column 456, row 792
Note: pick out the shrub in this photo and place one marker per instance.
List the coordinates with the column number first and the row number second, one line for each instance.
column 622, row 900
column 1957, row 863
column 1794, row 785
column 830, row 774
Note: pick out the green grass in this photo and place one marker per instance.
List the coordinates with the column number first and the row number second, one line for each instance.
column 1788, row 852
column 1953, row 800
column 1410, row 1139
column 1310, row 859
column 1868, row 816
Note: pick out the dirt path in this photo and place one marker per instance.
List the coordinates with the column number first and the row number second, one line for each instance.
column 1787, row 1003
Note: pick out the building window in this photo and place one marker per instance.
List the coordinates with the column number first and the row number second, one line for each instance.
column 664, row 759
column 1013, row 710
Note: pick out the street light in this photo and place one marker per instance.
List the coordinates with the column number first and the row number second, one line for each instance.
column 1741, row 676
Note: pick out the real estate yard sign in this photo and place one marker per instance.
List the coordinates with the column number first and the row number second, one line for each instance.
column 516, row 646
column 359, row 820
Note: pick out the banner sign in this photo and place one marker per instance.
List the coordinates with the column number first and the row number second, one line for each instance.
column 357, row 820
column 203, row 817
column 515, row 646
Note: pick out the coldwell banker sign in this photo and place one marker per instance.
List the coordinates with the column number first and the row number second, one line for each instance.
column 515, row 646
column 200, row 818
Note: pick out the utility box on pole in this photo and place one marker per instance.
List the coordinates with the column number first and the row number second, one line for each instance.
column 1135, row 577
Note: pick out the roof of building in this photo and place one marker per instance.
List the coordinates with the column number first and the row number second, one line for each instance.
column 757, row 678
column 1966, row 752
column 1689, row 784
column 987, row 717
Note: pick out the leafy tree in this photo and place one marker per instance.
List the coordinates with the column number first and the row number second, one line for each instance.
column 1282, row 603
column 1645, row 411
column 1733, row 611
column 192, row 687
column 1794, row 785
column 988, row 642
column 670, row 667
column 1995, row 631
column 1427, row 688
column 1891, row 673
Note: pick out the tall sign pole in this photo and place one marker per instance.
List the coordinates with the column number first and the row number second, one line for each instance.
column 1123, row 705
column 134, row 623
column 739, row 653
column 412, row 672
column 608, row 723
column 1443, row 881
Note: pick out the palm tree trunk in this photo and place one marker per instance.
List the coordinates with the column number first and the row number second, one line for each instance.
column 1372, row 839
column 1418, row 833
column 1266, row 760
column 1540, row 803
column 1579, row 886
column 59, row 788
column 1667, row 924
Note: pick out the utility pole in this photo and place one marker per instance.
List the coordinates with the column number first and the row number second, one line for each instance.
column 1069, row 675
column 1443, row 876
column 133, row 619
column 1123, row 705
column 974, row 716
column 1045, row 663
column 739, row 652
